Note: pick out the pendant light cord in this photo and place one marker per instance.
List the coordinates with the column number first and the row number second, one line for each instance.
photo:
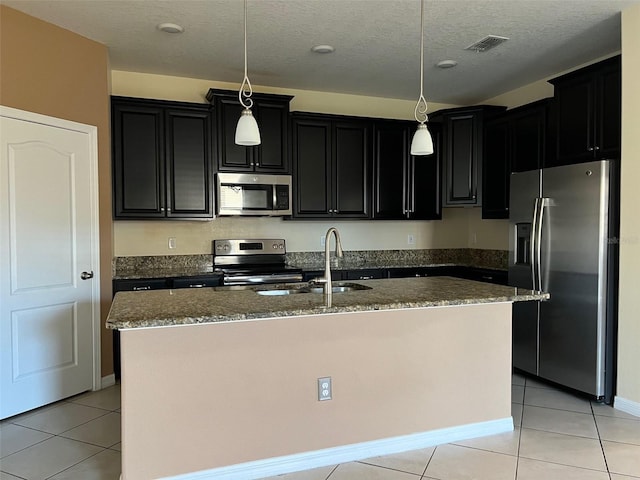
column 420, row 112
column 244, row 95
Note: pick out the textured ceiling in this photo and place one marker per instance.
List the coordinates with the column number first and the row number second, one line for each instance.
column 376, row 41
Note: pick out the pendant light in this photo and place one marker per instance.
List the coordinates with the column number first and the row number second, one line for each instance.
column 422, row 144
column 247, row 132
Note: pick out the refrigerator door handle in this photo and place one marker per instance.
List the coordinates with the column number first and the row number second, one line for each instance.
column 536, row 242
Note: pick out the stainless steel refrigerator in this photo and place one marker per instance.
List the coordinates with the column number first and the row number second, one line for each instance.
column 563, row 227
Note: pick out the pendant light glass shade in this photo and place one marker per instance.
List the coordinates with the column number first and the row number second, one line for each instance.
column 422, row 144
column 247, row 132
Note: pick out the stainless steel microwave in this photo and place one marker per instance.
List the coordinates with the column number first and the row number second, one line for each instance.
column 253, row 194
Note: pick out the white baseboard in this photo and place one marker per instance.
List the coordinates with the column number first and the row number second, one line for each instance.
column 627, row 406
column 108, row 381
column 348, row 453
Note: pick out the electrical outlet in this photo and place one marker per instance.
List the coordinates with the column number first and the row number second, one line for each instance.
column 322, row 240
column 324, row 388
column 411, row 240
column 172, row 242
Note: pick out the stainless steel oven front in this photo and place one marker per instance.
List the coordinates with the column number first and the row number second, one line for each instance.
column 253, row 194
column 253, row 262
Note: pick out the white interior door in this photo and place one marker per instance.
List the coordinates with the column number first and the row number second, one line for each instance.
column 49, row 315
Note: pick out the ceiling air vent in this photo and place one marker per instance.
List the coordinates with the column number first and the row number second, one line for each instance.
column 487, row 43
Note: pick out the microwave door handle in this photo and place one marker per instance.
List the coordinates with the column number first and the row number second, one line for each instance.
column 274, row 197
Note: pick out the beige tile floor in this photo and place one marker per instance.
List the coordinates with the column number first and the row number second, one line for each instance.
column 558, row 436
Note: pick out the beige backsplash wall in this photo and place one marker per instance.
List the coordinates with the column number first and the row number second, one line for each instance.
column 459, row 228
column 456, row 230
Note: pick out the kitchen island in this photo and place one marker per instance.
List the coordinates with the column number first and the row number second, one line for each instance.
column 222, row 383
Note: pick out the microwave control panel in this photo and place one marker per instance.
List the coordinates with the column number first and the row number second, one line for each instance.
column 282, row 197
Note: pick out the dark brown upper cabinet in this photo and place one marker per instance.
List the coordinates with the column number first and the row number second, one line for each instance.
column 271, row 113
column 588, row 113
column 162, row 161
column 331, row 166
column 405, row 187
column 462, row 150
column 514, row 141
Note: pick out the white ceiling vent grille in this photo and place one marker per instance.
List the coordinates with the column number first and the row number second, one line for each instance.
column 487, row 43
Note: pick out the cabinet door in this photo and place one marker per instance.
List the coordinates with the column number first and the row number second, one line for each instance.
column 200, row 281
column 496, row 169
column 462, row 146
column 528, row 140
column 138, row 161
column 312, row 164
column 350, row 168
column 231, row 157
column 139, row 284
column 188, row 163
column 424, row 181
column 365, row 274
column 390, row 161
column 271, row 156
column 608, row 121
column 575, row 120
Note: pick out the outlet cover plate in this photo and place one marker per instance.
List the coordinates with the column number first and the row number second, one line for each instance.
column 324, row 389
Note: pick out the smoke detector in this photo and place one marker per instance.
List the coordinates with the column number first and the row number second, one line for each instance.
column 487, row 43
column 170, row 28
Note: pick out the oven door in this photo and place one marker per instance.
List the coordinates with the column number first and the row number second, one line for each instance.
column 258, row 195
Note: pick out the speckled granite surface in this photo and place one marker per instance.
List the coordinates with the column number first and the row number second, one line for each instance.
column 164, row 266
column 496, row 259
column 188, row 306
column 161, row 266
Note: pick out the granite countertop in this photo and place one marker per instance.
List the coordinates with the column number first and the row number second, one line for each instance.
column 158, row 308
column 169, row 266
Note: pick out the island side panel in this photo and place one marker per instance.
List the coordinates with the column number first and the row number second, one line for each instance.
column 205, row 396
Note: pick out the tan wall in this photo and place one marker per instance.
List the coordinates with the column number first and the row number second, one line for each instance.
column 460, row 227
column 629, row 301
column 49, row 70
column 241, row 391
column 151, row 238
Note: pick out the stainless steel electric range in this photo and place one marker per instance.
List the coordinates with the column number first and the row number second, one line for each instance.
column 253, row 262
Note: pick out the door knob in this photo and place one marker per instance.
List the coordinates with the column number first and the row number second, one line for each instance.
column 86, row 275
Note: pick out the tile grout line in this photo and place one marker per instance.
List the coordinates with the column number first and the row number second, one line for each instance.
column 604, row 455
column 386, row 468
column 77, row 463
column 424, row 472
column 331, row 472
column 520, row 431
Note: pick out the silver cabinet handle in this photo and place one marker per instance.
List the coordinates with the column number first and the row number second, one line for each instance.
column 196, row 285
column 365, row 277
column 145, row 287
column 86, row 275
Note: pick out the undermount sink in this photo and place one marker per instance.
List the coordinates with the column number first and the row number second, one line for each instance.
column 281, row 292
column 336, row 288
column 349, row 287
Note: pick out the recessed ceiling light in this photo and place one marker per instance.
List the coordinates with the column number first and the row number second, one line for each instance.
column 446, row 64
column 170, row 28
column 323, row 49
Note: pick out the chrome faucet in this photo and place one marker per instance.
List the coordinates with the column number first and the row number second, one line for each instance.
column 326, row 280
